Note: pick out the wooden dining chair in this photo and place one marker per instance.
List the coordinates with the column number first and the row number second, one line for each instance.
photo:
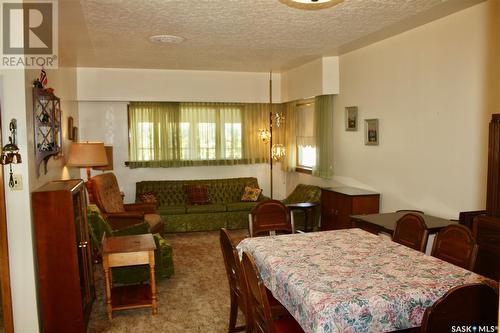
column 455, row 244
column 467, row 305
column 269, row 216
column 410, row 211
column 237, row 285
column 258, row 304
column 411, row 231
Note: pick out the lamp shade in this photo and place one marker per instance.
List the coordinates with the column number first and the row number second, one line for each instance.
column 87, row 154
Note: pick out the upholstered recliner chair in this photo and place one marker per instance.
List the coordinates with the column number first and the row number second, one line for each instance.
column 164, row 265
column 106, row 195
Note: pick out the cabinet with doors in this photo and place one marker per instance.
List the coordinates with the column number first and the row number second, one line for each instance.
column 65, row 275
column 339, row 203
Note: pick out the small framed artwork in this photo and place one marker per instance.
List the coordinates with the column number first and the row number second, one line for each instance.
column 75, row 134
column 371, row 132
column 70, row 128
column 351, row 118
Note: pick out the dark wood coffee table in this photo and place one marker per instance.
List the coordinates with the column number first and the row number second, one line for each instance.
column 308, row 209
column 128, row 251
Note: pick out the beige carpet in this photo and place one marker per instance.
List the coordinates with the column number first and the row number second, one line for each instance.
column 195, row 299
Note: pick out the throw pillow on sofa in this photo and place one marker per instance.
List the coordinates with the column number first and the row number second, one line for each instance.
column 148, row 197
column 251, row 194
column 197, row 194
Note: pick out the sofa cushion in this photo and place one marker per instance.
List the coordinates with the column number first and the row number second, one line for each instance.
column 251, row 194
column 197, row 194
column 212, row 208
column 172, row 210
column 148, row 197
column 241, row 206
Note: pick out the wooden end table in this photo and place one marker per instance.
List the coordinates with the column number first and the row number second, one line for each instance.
column 128, row 251
column 309, row 214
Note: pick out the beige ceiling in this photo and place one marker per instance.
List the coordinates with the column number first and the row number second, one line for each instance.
column 232, row 35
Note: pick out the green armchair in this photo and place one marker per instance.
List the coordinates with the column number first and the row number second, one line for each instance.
column 164, row 266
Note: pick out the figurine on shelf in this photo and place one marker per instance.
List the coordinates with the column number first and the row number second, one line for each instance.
column 37, row 84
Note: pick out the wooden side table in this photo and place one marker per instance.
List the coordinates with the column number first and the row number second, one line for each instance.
column 128, row 251
column 309, row 215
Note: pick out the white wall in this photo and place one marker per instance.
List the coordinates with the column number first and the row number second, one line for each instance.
column 18, row 206
column 318, row 77
column 16, row 102
column 107, row 122
column 431, row 90
column 111, row 84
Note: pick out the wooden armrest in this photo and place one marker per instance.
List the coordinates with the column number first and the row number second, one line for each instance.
column 144, row 207
column 137, row 215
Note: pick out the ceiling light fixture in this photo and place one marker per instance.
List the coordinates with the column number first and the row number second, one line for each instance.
column 166, row 39
column 311, row 4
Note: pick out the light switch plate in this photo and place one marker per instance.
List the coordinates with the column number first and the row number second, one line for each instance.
column 18, row 183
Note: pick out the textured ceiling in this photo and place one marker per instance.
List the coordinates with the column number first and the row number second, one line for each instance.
column 233, row 35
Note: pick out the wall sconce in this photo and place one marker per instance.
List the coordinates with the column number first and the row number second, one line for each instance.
column 279, row 119
column 264, row 135
column 10, row 152
column 278, row 152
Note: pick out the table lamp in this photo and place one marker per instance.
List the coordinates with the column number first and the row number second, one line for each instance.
column 87, row 155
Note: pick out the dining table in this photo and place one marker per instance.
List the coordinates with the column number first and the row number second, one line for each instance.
column 351, row 280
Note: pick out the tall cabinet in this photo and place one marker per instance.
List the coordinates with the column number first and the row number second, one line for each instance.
column 487, row 227
column 339, row 203
column 65, row 276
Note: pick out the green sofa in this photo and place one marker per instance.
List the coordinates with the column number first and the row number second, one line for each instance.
column 226, row 210
column 164, row 265
column 304, row 193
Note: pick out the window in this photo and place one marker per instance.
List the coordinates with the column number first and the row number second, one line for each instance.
column 184, row 134
column 306, row 148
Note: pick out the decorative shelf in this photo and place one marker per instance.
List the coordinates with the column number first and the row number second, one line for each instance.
column 46, row 126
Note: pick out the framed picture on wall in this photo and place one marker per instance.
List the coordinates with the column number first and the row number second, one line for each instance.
column 351, row 118
column 371, row 132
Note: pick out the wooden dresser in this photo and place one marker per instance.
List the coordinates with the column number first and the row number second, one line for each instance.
column 339, row 203
column 65, row 276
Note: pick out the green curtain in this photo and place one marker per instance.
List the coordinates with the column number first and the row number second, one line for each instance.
column 323, row 118
column 290, row 137
column 154, row 132
column 255, row 116
column 194, row 134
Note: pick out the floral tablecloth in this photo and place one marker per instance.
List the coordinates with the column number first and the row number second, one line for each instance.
column 351, row 280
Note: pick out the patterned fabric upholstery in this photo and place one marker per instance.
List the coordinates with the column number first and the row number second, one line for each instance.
column 197, row 194
column 304, row 193
column 224, row 210
column 164, row 265
column 171, row 192
column 107, row 193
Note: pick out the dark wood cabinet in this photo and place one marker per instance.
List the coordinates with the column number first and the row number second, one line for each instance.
column 65, row 276
column 487, row 233
column 339, row 203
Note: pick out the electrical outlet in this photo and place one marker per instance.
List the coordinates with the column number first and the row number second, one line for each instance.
column 18, row 183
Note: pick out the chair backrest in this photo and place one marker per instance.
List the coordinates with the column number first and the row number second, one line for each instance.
column 106, row 193
column 411, row 231
column 257, row 301
column 233, row 267
column 270, row 215
column 410, row 211
column 455, row 244
column 466, row 305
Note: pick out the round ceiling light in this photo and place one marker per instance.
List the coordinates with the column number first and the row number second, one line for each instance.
column 166, row 39
column 311, row 4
